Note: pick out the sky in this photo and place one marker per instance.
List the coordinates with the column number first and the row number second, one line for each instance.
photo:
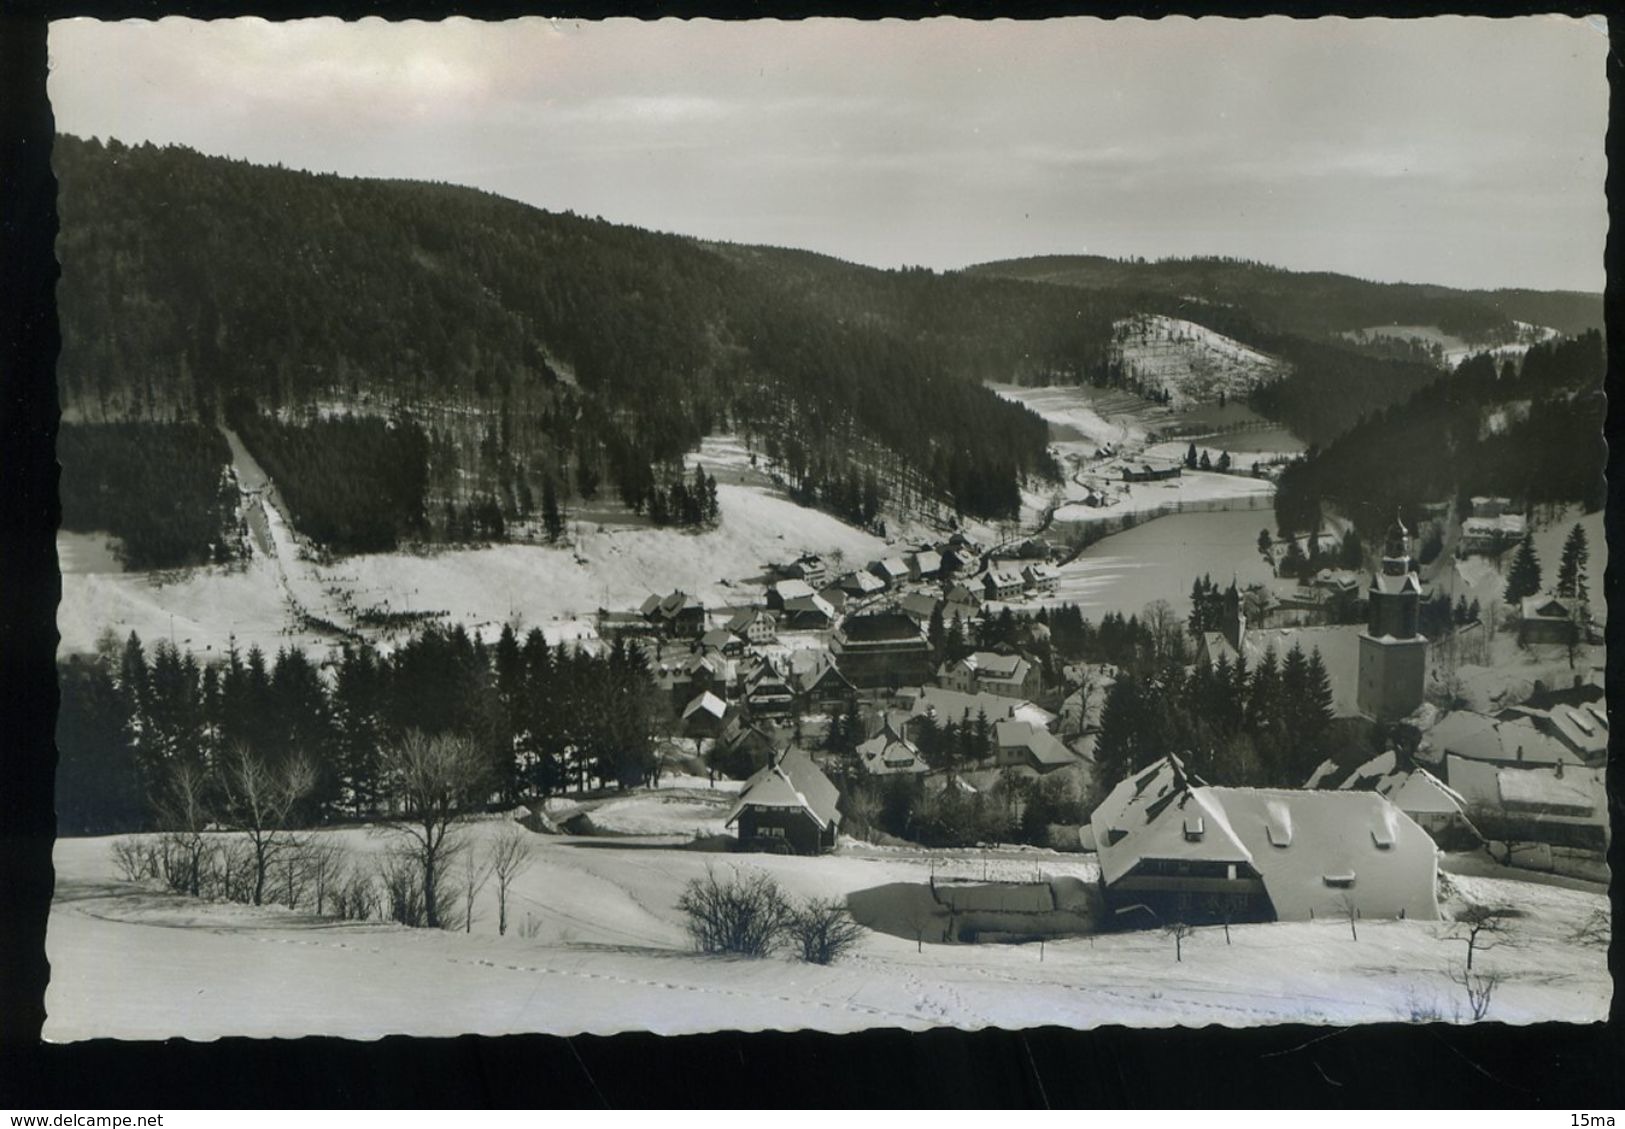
column 1461, row 151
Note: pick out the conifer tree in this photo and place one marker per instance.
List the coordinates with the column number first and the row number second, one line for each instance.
column 1523, row 579
column 1571, row 572
column 552, row 520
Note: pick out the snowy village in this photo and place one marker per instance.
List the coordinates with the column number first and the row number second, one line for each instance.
column 601, row 630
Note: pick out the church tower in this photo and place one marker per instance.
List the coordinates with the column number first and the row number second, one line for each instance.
column 1393, row 654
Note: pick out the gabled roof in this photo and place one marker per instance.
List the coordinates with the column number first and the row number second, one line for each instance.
column 706, row 703
column 928, row 561
column 1477, row 736
column 1421, row 791
column 951, row 705
column 719, row 637
column 861, row 582
column 742, row 619
column 809, row 605
column 892, row 567
column 1002, row 578
column 1043, row 745
column 1547, row 607
column 1312, row 849
column 792, row 589
column 878, row 627
column 791, row 780
column 889, row 752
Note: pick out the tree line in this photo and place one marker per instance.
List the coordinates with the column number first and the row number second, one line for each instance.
column 1532, row 431
column 537, row 717
column 163, row 489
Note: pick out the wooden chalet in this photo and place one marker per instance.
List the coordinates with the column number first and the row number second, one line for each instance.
column 788, row 807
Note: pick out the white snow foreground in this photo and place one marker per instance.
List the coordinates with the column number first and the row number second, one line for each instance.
column 606, row 951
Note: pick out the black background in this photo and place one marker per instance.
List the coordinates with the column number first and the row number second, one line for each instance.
column 1559, row 1066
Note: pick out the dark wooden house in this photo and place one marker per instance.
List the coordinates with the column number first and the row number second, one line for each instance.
column 789, row 807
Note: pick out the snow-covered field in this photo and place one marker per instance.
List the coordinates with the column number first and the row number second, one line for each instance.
column 597, row 945
column 1069, row 407
column 557, row 589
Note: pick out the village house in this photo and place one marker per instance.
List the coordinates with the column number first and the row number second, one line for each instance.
column 1041, row 577
column 755, row 625
column 1437, row 808
column 781, row 592
column 988, row 672
column 891, row 571
column 1514, row 742
column 808, row 613
column 768, row 693
column 810, row 568
column 744, row 741
column 861, row 583
column 789, row 806
column 882, row 649
column 678, row 614
column 889, row 753
column 1583, row 727
column 1002, row 584
column 1174, row 849
column 1562, row 805
column 1491, row 529
column 706, row 716
column 723, row 642
column 943, row 706
column 919, row 606
column 818, row 682
column 1021, row 744
column 1546, row 620
column 960, row 602
column 924, row 565
column 835, row 596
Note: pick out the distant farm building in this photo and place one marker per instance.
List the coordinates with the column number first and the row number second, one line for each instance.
column 1152, row 471
column 788, row 806
column 861, row 583
column 1174, row 849
column 892, row 571
column 1021, row 744
column 1041, row 577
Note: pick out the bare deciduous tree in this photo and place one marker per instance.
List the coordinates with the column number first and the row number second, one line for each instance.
column 183, row 812
column 1480, row 988
column 1482, row 927
column 1178, row 930
column 508, row 856
column 433, row 779
column 259, row 800
column 472, row 873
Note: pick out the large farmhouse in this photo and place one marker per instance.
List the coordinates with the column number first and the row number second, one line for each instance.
column 1174, row 849
column 788, row 806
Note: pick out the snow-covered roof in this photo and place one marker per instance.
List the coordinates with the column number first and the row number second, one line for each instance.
column 791, row 780
column 928, row 561
column 954, row 706
column 862, row 582
column 706, row 703
column 892, row 568
column 1422, row 792
column 792, row 589
column 1486, row 785
column 1043, row 745
column 807, row 605
column 889, row 752
column 1299, row 842
column 1002, row 578
column 743, row 619
column 1546, row 607
column 1515, row 740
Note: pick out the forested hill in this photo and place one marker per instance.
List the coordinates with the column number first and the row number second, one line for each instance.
column 1315, row 303
column 589, row 351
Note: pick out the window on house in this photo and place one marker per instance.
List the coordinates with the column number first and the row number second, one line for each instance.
column 1193, row 828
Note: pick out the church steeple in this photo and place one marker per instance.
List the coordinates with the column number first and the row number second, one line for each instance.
column 1393, row 653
